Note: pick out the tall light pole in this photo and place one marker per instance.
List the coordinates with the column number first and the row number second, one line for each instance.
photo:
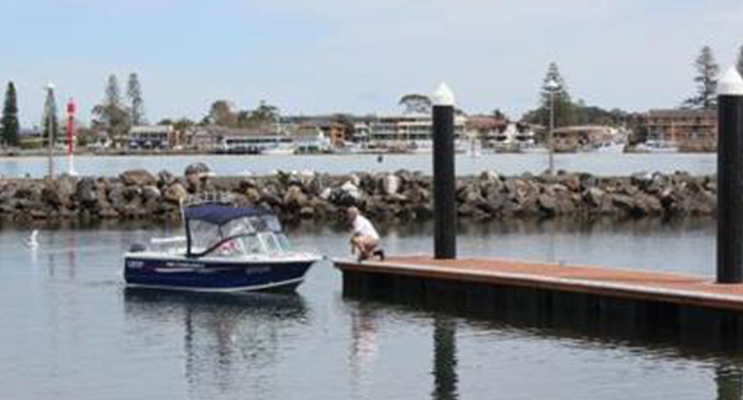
column 552, row 86
column 49, row 126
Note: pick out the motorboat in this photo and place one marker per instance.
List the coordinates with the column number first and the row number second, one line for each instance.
column 226, row 248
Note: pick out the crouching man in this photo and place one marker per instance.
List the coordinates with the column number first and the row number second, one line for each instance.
column 365, row 238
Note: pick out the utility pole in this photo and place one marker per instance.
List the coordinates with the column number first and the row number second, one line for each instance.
column 552, row 86
column 49, row 126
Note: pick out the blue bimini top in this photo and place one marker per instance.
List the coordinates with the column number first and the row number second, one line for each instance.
column 219, row 214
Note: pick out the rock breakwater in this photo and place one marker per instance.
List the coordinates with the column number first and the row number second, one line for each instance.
column 402, row 195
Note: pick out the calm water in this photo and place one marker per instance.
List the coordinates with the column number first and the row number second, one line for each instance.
column 509, row 164
column 69, row 329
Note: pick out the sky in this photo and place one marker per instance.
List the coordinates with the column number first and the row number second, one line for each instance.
column 360, row 56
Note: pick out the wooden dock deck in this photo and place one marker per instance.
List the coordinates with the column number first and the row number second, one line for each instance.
column 603, row 281
column 595, row 298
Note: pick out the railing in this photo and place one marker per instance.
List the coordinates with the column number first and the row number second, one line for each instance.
column 207, row 198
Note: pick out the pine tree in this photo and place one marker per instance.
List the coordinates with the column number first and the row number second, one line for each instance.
column 134, row 94
column 562, row 103
column 10, row 125
column 51, row 123
column 739, row 64
column 706, row 79
column 111, row 114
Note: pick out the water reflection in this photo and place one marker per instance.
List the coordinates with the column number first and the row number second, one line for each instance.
column 729, row 380
column 638, row 345
column 231, row 342
column 444, row 358
column 364, row 337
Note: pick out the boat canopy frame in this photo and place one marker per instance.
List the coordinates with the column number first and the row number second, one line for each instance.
column 220, row 215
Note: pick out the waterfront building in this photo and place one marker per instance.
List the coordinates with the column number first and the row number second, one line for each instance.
column 152, row 137
column 313, row 141
column 407, row 131
column 583, row 137
column 690, row 129
column 201, row 139
column 337, row 128
column 508, row 137
column 249, row 140
column 334, row 131
column 485, row 126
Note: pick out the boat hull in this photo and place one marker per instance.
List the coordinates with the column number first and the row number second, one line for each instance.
column 196, row 275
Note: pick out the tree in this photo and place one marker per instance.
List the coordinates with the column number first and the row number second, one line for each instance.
column 221, row 114
column 563, row 106
column 265, row 114
column 51, row 123
column 111, row 115
column 706, row 80
column 134, row 94
column 416, row 103
column 739, row 64
column 9, row 122
column 499, row 115
column 183, row 124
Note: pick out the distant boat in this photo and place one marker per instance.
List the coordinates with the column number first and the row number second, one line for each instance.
column 281, row 149
column 421, row 147
column 657, row 146
column 533, row 149
column 608, row 147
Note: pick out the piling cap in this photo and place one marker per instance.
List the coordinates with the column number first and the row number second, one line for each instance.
column 443, row 96
column 730, row 83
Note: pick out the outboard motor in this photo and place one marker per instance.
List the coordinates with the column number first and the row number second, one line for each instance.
column 137, row 248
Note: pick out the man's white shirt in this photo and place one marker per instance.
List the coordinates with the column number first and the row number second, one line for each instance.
column 364, row 227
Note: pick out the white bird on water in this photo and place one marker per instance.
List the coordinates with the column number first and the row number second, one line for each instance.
column 31, row 241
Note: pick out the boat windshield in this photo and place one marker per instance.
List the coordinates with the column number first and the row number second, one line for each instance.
column 250, row 235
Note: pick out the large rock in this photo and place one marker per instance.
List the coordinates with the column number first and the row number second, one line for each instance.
column 198, row 169
column 294, row 198
column 165, row 178
column 594, row 196
column 569, row 180
column 196, row 176
column 175, row 193
column 391, row 184
column 351, row 189
column 58, row 193
column 547, row 204
column 647, row 205
column 623, row 202
column 151, row 193
column 137, row 177
column 51, row 196
column 87, row 192
column 252, row 195
column 117, row 197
